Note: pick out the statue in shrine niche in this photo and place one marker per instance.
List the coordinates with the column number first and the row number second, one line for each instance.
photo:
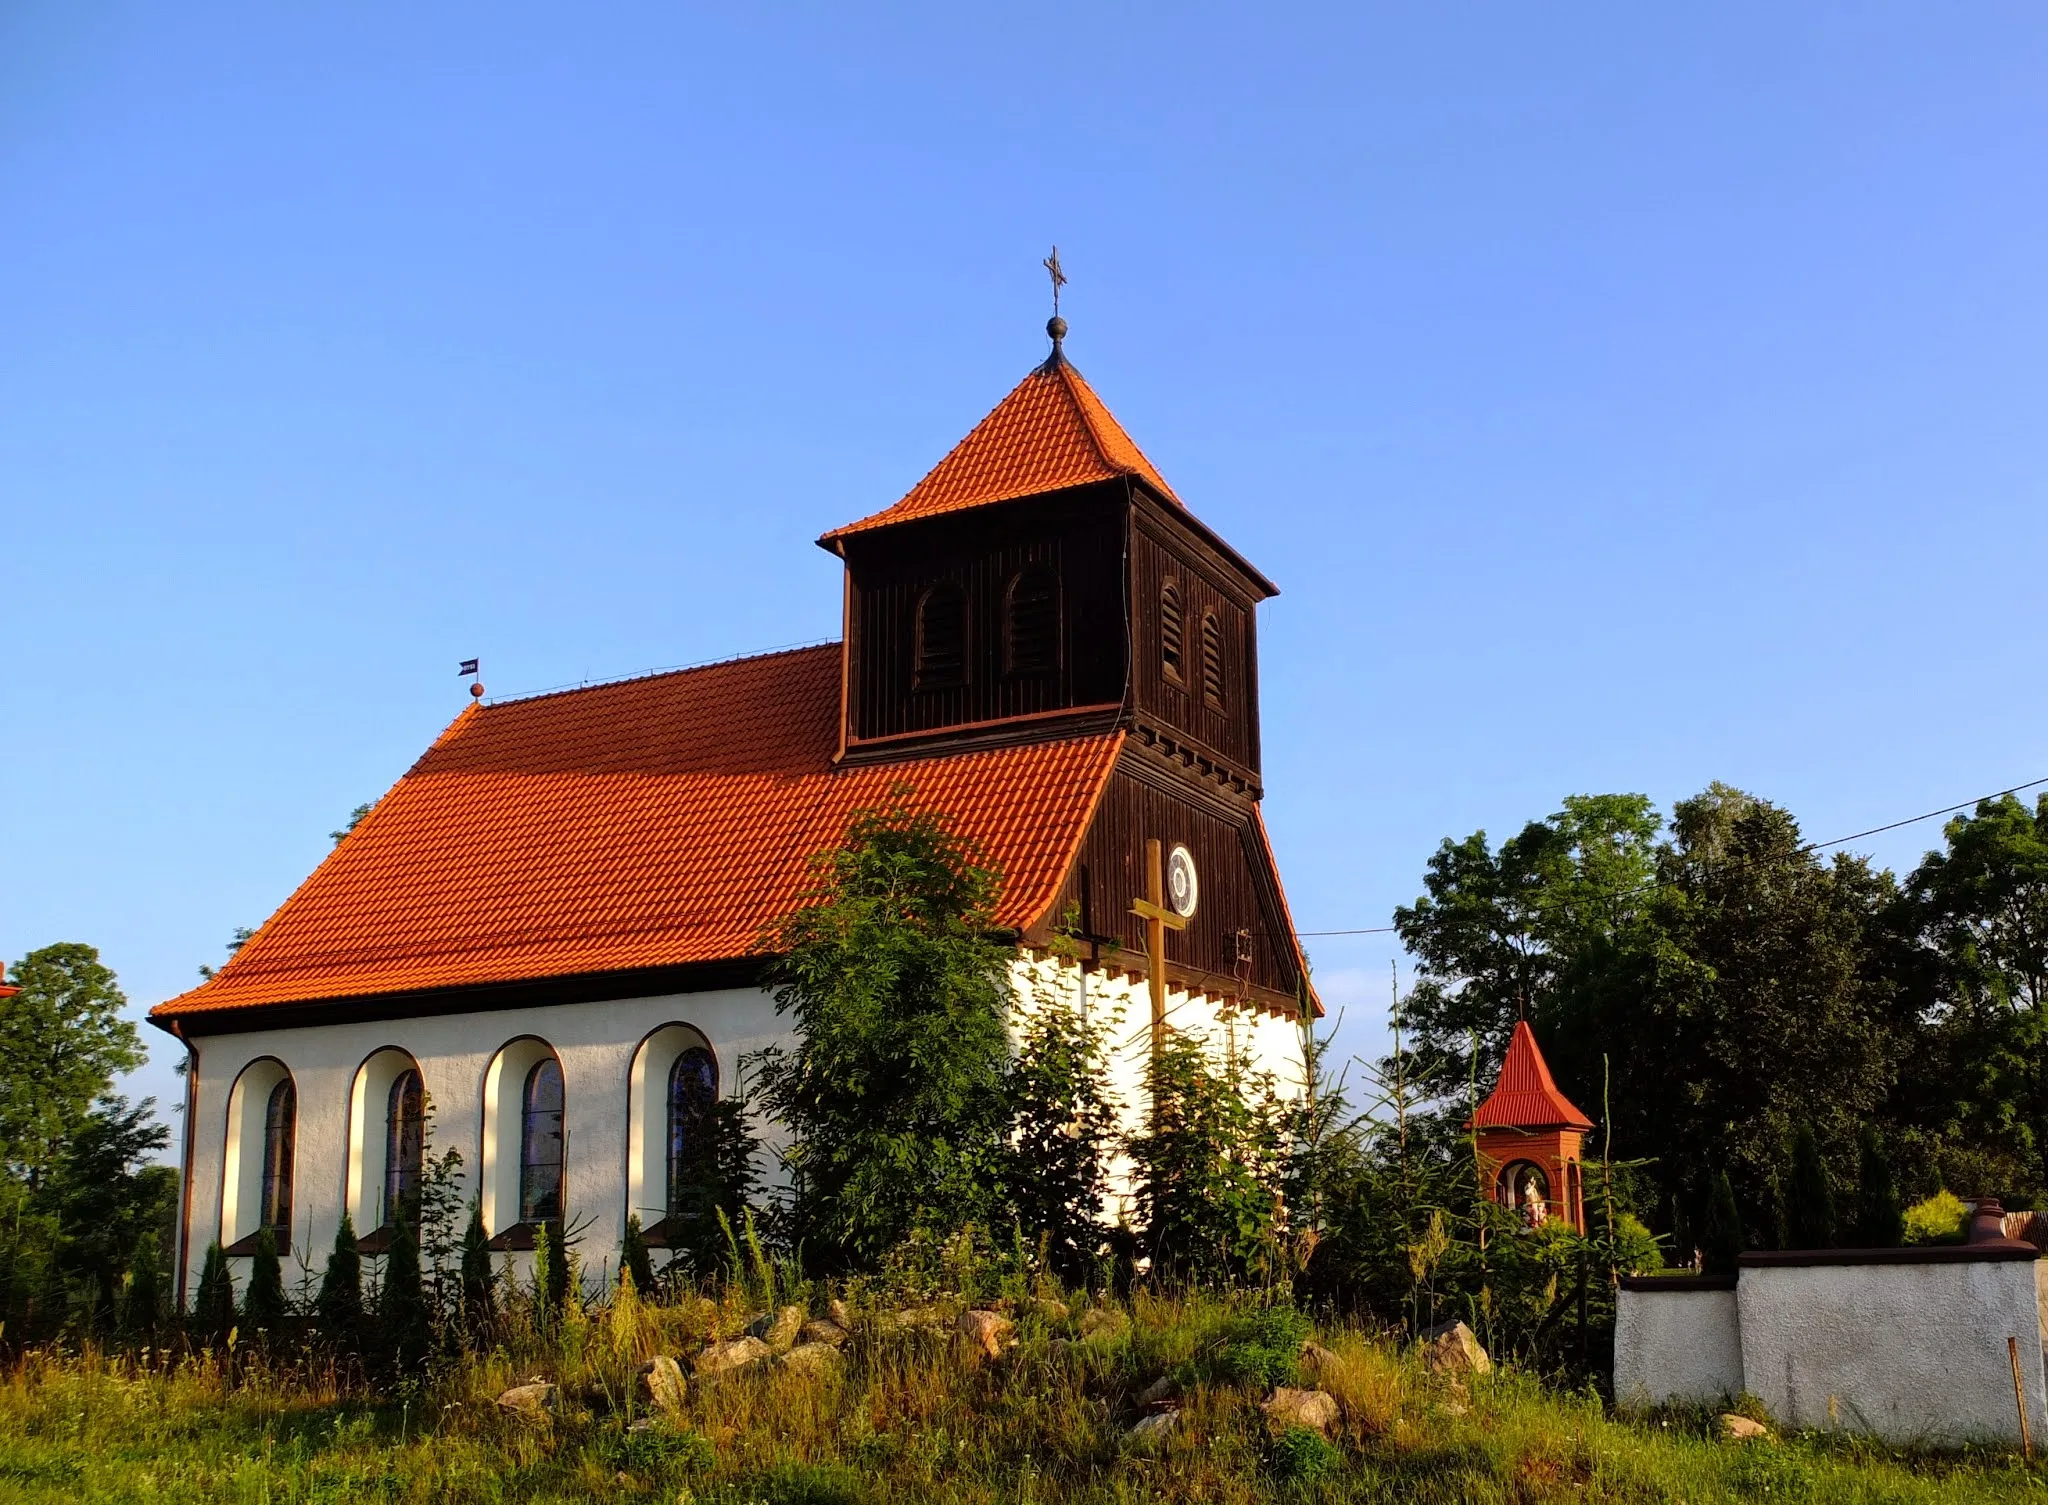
column 1529, row 1139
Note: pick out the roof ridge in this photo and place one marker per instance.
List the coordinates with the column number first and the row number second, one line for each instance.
column 526, row 697
column 1070, row 375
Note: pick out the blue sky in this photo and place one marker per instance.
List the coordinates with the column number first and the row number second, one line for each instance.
column 1622, row 398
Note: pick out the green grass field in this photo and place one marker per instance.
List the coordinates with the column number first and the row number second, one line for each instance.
column 909, row 1416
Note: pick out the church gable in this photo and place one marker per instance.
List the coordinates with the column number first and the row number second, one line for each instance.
column 1239, row 942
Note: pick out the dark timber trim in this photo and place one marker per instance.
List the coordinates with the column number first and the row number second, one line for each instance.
column 587, row 987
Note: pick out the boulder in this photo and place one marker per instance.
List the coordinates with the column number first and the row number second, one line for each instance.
column 1154, row 1429
column 735, row 1354
column 1741, row 1429
column 932, row 1316
column 1159, row 1392
column 1314, row 1409
column 1103, row 1322
column 779, row 1328
column 989, row 1330
column 836, row 1313
column 818, row 1330
column 536, row 1399
column 1451, row 1348
column 661, row 1384
column 1048, row 1310
column 813, row 1358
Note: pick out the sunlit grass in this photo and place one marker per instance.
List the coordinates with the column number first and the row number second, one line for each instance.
column 911, row 1417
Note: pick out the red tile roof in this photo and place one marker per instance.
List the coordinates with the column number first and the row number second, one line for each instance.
column 1526, row 1097
column 1051, row 432
column 653, row 822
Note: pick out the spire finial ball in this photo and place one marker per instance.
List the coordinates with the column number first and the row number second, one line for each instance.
column 476, row 691
column 1057, row 328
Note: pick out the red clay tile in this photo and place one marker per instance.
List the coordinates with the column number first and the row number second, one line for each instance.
column 1051, row 432
column 653, row 822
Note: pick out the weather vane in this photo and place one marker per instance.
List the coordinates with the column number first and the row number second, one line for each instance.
column 1055, row 326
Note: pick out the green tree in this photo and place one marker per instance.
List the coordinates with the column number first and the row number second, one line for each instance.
column 550, row 1272
column 1810, row 1209
column 1745, row 982
column 263, row 1305
column 634, row 1260
column 479, row 1279
column 213, row 1308
column 1880, row 1219
column 338, row 1308
column 104, row 1198
column 142, row 1310
column 1065, row 1128
column 715, row 1185
column 1209, row 1164
column 355, row 818
column 62, row 1040
column 1721, row 1236
column 1977, row 914
column 404, row 1323
column 895, row 1096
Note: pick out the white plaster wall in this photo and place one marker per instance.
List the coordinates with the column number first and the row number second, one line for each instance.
column 1676, row 1345
column 1269, row 1043
column 340, row 1151
column 595, row 1041
column 1913, row 1353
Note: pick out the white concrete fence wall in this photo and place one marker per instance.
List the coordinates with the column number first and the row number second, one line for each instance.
column 1909, row 1345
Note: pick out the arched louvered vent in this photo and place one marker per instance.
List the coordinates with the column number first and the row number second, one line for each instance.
column 1031, row 625
column 1212, row 660
column 942, row 638
column 1171, row 633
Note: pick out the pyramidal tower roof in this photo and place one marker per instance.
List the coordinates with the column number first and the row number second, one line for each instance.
column 1526, row 1096
column 1050, row 433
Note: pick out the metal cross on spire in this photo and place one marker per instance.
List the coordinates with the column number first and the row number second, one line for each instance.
column 1055, row 326
column 1059, row 278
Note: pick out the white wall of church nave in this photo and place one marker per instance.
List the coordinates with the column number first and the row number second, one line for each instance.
column 595, row 1042
column 338, row 1158
column 1264, row 1041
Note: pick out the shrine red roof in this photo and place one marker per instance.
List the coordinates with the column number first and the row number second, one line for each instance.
column 1051, row 432
column 1526, row 1097
column 648, row 823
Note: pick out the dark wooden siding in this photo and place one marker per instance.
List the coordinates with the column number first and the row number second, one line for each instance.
column 1078, row 535
column 1228, row 729
column 1238, row 910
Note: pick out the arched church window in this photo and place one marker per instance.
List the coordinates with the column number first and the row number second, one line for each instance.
column 1172, row 632
column 540, row 1143
column 1212, row 660
column 942, row 638
column 405, row 1141
column 280, row 1135
column 692, row 1093
column 1031, row 625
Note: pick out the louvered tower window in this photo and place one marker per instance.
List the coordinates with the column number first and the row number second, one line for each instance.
column 942, row 638
column 1212, row 660
column 1031, row 626
column 1171, row 630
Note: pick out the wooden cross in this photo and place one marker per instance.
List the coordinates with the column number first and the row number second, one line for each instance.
column 1158, row 920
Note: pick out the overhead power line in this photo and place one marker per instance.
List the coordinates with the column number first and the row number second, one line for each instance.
column 1811, row 846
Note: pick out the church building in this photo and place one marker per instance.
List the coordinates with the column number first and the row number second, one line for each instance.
column 540, row 946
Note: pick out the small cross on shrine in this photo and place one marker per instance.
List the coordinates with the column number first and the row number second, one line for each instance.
column 1159, row 919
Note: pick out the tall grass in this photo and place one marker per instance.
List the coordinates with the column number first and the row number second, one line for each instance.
column 912, row 1415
